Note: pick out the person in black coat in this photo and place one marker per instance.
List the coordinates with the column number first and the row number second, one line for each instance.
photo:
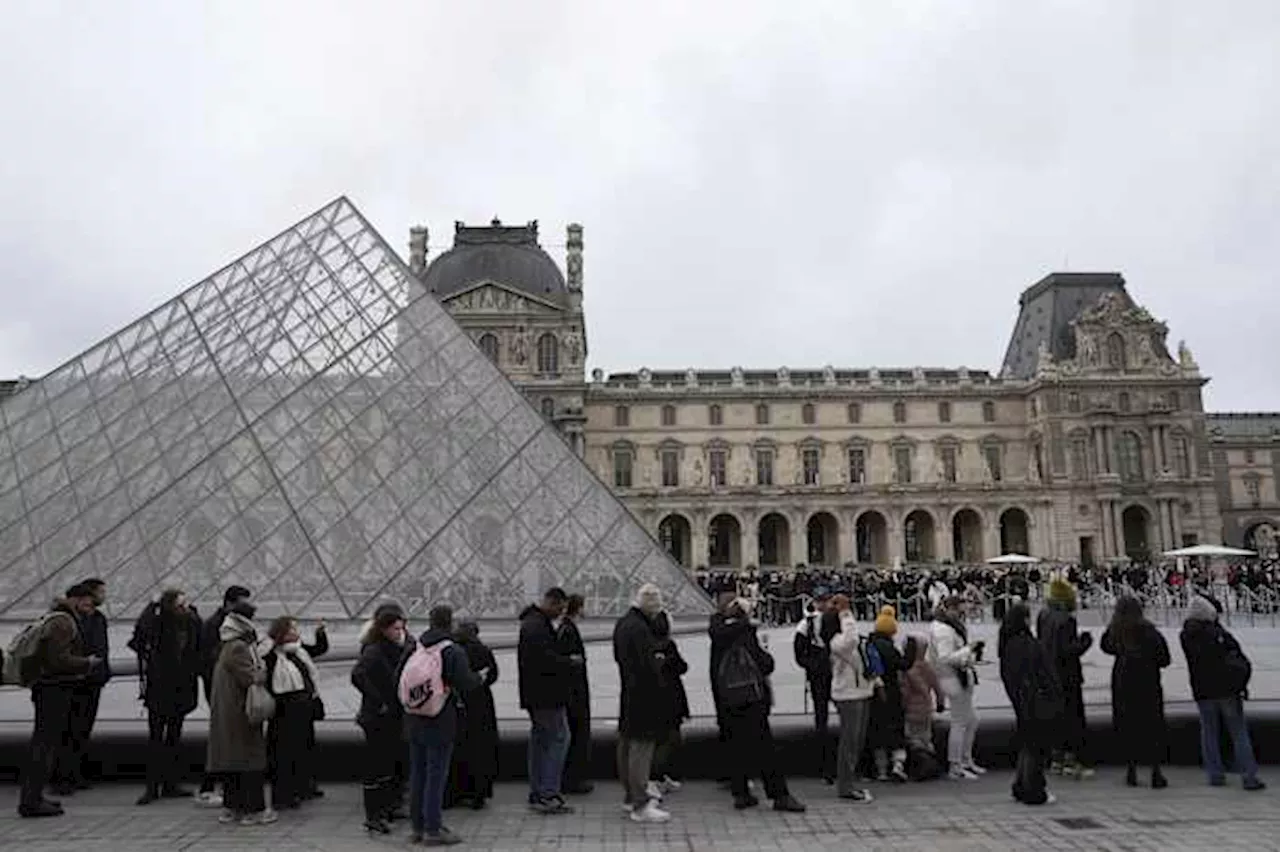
column 381, row 716
column 672, row 669
column 577, row 764
column 475, row 762
column 745, row 699
column 1031, row 681
column 71, row 773
column 1220, row 674
column 293, row 680
column 545, row 680
column 641, row 701
column 166, row 640
column 1061, row 637
column 887, row 728
column 1137, row 698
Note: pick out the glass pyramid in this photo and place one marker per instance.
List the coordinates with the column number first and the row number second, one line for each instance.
column 310, row 423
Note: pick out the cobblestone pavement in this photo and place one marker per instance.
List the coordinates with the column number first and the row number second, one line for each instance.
column 1100, row 814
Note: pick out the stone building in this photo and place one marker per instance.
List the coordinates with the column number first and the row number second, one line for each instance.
column 1090, row 443
column 1246, row 462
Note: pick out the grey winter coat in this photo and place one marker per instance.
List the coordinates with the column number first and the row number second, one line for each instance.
column 235, row 744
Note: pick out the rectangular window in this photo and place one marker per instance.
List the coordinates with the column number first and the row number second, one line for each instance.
column 1073, row 402
column 1181, row 458
column 902, row 465
column 988, row 412
column 621, row 416
column 808, row 415
column 762, row 415
column 718, row 465
column 855, row 413
column 948, row 464
column 857, row 466
column 715, row 415
column 621, row 468
column 811, row 464
column 1086, row 551
column 899, row 412
column 764, row 467
column 1253, row 490
column 1249, row 457
column 670, row 468
column 668, row 415
column 994, row 467
column 1079, row 459
column 944, row 412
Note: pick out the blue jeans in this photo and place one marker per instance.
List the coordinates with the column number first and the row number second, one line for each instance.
column 1214, row 713
column 429, row 754
column 548, row 747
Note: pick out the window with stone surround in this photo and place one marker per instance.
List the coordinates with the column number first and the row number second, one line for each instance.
column 993, row 456
column 718, row 467
column 1034, row 408
column 715, row 415
column 762, row 414
column 621, row 416
column 1124, row 403
column 808, row 416
column 1115, row 351
column 811, row 465
column 1129, row 456
column 854, row 413
column 1175, row 401
column 857, row 465
column 548, row 355
column 1073, row 402
column 548, row 407
column 988, row 412
column 668, row 415
column 944, row 412
column 949, row 454
column 1249, row 457
column 623, row 457
column 1181, row 457
column 670, row 458
column 764, row 466
column 902, row 458
column 489, row 346
column 1253, row 489
column 899, row 412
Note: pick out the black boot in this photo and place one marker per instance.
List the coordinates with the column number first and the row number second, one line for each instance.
column 151, row 794
column 1158, row 781
column 1131, row 776
column 375, row 807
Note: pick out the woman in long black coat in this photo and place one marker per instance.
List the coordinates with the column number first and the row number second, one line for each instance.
column 166, row 639
column 675, row 707
column 1137, row 698
column 1031, row 682
column 475, row 757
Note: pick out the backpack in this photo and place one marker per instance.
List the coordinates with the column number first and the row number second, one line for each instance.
column 872, row 662
column 738, row 679
column 422, row 690
column 20, row 656
column 811, row 653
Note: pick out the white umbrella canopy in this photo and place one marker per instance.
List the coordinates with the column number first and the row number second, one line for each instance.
column 1209, row 550
column 1012, row 559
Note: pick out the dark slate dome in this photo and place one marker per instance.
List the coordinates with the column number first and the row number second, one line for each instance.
column 505, row 254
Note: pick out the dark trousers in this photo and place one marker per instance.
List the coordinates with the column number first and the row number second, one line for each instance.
column 577, row 763
column 52, row 726
column 289, row 735
column 384, row 751
column 1028, row 780
column 1072, row 740
column 70, row 765
column 164, row 750
column 429, row 753
column 243, row 792
column 820, row 691
column 752, row 752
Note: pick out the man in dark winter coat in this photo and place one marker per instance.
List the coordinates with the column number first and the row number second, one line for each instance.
column 1031, row 682
column 210, row 647
column 1219, row 673
column 545, row 677
column 71, row 774
column 577, row 764
column 641, row 721
column 57, row 668
column 1059, row 633
column 814, row 659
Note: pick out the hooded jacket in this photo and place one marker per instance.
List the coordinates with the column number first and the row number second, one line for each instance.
column 374, row 675
column 1216, row 663
column 545, row 674
column 457, row 676
column 60, row 657
column 1059, row 633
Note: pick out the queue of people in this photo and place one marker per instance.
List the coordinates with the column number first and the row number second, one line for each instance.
column 428, row 716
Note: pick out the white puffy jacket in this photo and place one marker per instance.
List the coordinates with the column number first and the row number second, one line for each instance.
column 848, row 680
column 948, row 653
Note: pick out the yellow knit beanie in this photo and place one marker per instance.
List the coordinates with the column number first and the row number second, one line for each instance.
column 887, row 622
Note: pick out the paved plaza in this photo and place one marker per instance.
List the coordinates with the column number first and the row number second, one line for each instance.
column 1101, row 814
column 1261, row 643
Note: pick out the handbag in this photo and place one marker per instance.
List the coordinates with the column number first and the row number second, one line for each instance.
column 259, row 703
column 317, row 708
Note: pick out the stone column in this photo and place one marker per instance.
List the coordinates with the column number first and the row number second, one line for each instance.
column 750, row 540
column 799, row 539
column 1164, row 447
column 1099, row 457
column 897, row 547
column 1117, row 529
column 1175, row 521
column 699, row 541
column 943, row 546
column 1153, row 440
column 990, row 537
column 1162, row 521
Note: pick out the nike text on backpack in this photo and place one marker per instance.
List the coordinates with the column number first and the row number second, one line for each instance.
column 20, row 659
column 738, row 679
column 423, row 691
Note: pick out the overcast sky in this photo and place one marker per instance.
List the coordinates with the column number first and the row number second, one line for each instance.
column 849, row 182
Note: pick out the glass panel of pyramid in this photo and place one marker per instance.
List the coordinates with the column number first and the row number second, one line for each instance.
column 310, row 423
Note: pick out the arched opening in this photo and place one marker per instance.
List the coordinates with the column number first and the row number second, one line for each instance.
column 1129, row 456
column 489, row 346
column 1115, row 351
column 966, row 536
column 1137, row 525
column 1263, row 538
column 548, row 355
column 1014, row 535
column 871, row 538
column 824, row 540
column 676, row 537
column 918, row 537
column 775, row 540
column 724, row 542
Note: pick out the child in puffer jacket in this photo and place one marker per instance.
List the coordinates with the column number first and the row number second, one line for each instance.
column 921, row 695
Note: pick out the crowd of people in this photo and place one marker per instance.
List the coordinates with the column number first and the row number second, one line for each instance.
column 429, row 722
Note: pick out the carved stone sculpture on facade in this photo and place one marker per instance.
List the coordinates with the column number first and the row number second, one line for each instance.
column 646, row 377
column 735, row 377
column 1185, row 359
column 1086, row 349
column 829, row 375
column 518, row 345
column 573, row 258
column 691, row 378
column 1146, row 352
column 784, row 376
column 873, row 375
column 573, row 346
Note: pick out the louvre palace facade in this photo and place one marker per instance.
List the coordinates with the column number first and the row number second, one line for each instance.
column 1089, row 443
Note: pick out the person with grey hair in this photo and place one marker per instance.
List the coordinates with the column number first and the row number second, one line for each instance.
column 640, row 718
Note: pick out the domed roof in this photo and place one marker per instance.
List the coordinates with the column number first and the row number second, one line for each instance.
column 505, row 254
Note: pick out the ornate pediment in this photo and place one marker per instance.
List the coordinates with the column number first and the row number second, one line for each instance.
column 1112, row 336
column 490, row 298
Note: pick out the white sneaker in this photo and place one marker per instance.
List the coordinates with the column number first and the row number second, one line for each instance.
column 627, row 807
column 1051, row 800
column 227, row 816
column 975, row 768
column 959, row 773
column 650, row 813
column 208, row 800
column 669, row 784
column 265, row 817
column 653, row 791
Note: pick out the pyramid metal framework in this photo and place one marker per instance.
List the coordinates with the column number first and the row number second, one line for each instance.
column 310, row 423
